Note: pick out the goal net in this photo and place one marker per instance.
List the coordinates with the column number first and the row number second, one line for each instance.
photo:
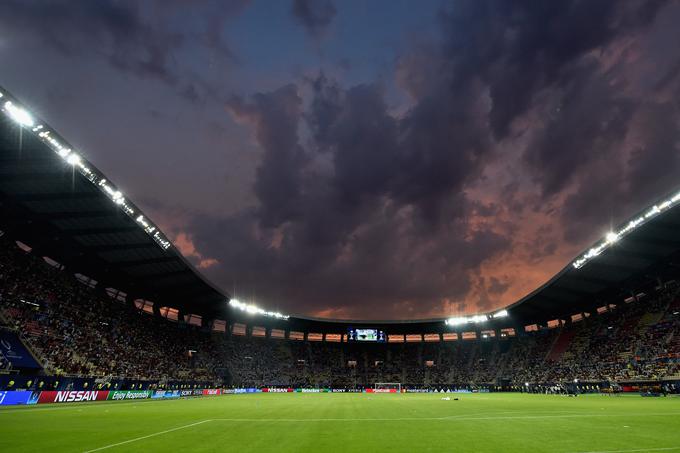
column 387, row 387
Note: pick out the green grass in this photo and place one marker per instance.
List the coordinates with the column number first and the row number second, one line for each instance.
column 350, row 423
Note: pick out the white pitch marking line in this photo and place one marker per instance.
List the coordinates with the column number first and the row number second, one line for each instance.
column 454, row 418
column 148, row 436
column 450, row 418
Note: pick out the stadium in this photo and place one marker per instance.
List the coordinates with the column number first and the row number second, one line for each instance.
column 97, row 304
column 323, row 225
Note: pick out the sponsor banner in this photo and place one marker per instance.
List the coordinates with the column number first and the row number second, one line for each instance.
column 381, row 390
column 14, row 351
column 338, row 390
column 186, row 393
column 247, row 390
column 72, row 396
column 228, row 391
column 417, row 390
column 166, row 394
column 129, row 395
column 276, row 390
column 11, row 398
column 308, row 390
column 211, row 392
column 198, row 392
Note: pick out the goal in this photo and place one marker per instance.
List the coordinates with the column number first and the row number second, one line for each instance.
column 387, row 387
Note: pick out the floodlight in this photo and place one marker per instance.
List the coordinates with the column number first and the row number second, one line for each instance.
column 500, row 314
column 73, row 159
column 19, row 115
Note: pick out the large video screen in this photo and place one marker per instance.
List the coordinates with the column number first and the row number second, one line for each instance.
column 374, row 335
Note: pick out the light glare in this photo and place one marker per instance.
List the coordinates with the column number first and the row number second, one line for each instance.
column 19, row 115
column 614, row 236
column 254, row 310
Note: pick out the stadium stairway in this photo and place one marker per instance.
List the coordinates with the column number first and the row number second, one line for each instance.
column 649, row 319
column 560, row 345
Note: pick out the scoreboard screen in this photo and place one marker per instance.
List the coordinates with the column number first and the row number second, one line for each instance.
column 373, row 335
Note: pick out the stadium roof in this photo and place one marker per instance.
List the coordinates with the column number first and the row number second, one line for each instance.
column 56, row 201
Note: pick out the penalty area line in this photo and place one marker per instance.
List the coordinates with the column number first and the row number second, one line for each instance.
column 136, row 439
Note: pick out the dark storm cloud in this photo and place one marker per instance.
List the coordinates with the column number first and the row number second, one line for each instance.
column 590, row 103
column 275, row 117
column 314, row 15
column 112, row 29
column 134, row 37
column 376, row 213
column 358, row 204
column 527, row 128
column 520, row 47
column 380, row 266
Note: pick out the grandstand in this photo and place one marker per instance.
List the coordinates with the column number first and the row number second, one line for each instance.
column 93, row 296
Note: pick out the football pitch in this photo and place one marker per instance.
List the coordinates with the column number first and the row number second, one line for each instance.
column 334, row 422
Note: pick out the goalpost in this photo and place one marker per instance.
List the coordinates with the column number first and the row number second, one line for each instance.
column 387, row 387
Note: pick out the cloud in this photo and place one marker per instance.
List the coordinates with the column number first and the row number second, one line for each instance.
column 517, row 49
column 275, row 117
column 528, row 129
column 146, row 39
column 314, row 15
column 114, row 30
column 185, row 245
column 472, row 195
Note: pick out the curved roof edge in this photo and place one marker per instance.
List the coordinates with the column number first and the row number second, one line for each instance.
column 641, row 218
column 19, row 113
column 15, row 110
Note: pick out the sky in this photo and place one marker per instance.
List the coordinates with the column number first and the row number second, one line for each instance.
column 383, row 159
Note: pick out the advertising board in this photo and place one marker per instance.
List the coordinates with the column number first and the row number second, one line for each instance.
column 72, row 396
column 12, row 398
column 129, row 395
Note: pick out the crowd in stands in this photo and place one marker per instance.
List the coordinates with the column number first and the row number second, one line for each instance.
column 76, row 330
